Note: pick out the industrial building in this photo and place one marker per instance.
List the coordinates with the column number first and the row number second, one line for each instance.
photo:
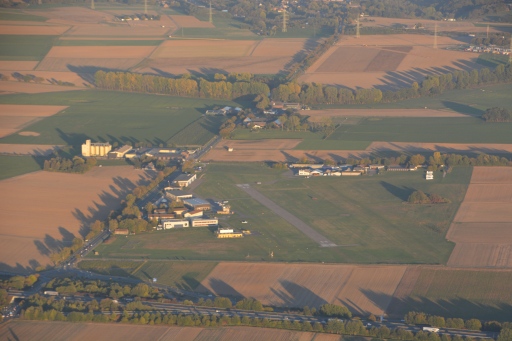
column 184, row 180
column 174, row 223
column 204, row 222
column 95, row 149
column 197, row 204
column 176, row 195
column 120, row 153
column 228, row 233
column 193, row 214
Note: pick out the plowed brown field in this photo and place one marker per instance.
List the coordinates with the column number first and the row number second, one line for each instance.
column 100, row 51
column 482, row 227
column 16, row 117
column 363, row 289
column 190, row 21
column 386, row 61
column 53, row 30
column 10, row 65
column 73, row 15
column 32, row 88
column 65, row 331
column 41, row 211
column 203, row 48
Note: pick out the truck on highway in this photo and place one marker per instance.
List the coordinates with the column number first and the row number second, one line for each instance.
column 51, row 293
column 431, row 329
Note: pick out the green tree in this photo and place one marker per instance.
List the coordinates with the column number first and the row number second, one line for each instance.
column 505, row 335
column 335, row 310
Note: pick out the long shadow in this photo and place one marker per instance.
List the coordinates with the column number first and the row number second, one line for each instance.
column 72, row 138
column 220, row 288
column 297, row 296
column 86, row 72
column 463, row 108
column 396, row 307
column 401, row 193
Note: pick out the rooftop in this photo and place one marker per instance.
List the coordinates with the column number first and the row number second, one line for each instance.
column 196, row 201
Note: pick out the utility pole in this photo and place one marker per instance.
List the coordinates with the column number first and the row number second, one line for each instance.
column 358, row 34
column 145, row 6
column 92, row 4
column 211, row 19
column 284, row 21
column 435, row 36
column 487, row 31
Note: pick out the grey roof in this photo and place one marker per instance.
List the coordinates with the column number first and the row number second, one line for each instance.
column 196, row 201
column 184, row 177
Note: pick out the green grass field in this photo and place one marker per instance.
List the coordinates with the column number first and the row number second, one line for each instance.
column 492, row 60
column 198, row 132
column 17, row 165
column 365, row 215
column 108, row 42
column 25, row 47
column 14, row 15
column 468, row 101
column 183, row 275
column 447, row 130
column 109, row 116
column 461, row 293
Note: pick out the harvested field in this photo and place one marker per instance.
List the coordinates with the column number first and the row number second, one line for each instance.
column 65, row 331
column 27, row 149
column 281, row 47
column 363, row 289
column 475, row 255
column 33, row 88
column 212, row 56
column 481, row 233
column 51, row 30
column 489, row 175
column 383, row 113
column 11, row 65
column 203, row 48
column 489, row 148
column 482, row 227
column 190, row 21
column 15, row 117
column 60, row 214
column 387, row 61
column 64, row 64
column 258, row 65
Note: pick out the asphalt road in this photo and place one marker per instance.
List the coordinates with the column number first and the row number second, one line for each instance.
column 299, row 224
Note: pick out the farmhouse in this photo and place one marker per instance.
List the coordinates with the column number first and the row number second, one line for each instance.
column 174, row 223
column 95, row 149
column 167, row 154
column 204, row 222
column 197, row 204
column 184, row 180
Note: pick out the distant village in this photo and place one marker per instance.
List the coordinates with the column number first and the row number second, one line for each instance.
column 488, row 49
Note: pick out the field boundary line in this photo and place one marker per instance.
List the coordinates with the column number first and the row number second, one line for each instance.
column 138, row 268
column 254, row 47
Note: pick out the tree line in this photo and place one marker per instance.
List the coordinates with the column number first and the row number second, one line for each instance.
column 75, row 165
column 496, row 114
column 419, row 197
column 233, row 86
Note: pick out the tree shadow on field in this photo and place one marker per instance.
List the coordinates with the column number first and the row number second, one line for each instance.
column 297, row 296
column 220, row 288
column 396, row 307
column 86, row 72
column 401, row 193
column 463, row 108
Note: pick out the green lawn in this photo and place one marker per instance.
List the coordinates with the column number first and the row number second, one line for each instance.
column 198, row 132
column 93, row 42
column 469, row 101
column 110, row 116
column 441, row 130
column 17, row 165
column 183, row 275
column 14, row 15
column 25, row 47
column 366, row 216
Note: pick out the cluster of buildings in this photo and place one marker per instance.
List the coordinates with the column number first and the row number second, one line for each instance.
column 307, row 170
column 488, row 49
column 90, row 149
column 224, row 111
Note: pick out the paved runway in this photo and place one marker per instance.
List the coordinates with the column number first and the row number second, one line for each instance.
column 299, row 224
